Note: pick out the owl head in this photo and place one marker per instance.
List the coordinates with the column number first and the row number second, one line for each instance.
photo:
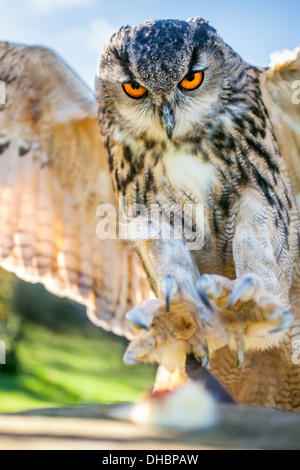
column 164, row 78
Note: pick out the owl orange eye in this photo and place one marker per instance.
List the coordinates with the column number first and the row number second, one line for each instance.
column 134, row 90
column 192, row 81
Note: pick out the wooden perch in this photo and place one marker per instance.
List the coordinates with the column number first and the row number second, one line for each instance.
column 90, row 427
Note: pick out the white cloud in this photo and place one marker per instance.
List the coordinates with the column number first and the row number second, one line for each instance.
column 82, row 46
column 54, row 5
column 80, row 42
column 99, row 35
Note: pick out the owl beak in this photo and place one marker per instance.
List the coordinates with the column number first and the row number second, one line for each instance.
column 167, row 119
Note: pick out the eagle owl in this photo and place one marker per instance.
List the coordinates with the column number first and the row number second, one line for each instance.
column 184, row 121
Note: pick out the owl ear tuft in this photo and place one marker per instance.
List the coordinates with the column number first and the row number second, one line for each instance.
column 198, row 21
column 203, row 30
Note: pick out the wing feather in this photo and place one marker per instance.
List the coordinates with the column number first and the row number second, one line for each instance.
column 53, row 176
column 278, row 86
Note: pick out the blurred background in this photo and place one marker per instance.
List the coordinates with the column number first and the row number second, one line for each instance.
column 54, row 355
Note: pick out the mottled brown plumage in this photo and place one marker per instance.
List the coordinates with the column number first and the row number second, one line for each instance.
column 223, row 154
column 53, row 176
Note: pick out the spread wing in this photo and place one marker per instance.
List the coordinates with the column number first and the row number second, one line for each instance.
column 280, row 85
column 53, row 176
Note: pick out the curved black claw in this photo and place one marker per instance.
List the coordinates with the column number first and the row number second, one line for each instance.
column 129, row 359
column 137, row 318
column 287, row 320
column 205, row 362
column 201, row 286
column 243, row 291
column 240, row 358
column 170, row 290
column 240, row 346
column 168, row 280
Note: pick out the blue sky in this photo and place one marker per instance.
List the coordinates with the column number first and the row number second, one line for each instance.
column 79, row 29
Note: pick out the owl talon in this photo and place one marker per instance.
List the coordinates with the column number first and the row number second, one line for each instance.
column 170, row 290
column 129, row 360
column 205, row 362
column 287, row 320
column 202, row 286
column 200, row 351
column 240, row 346
column 240, row 359
column 141, row 317
column 137, row 318
column 244, row 291
column 243, row 312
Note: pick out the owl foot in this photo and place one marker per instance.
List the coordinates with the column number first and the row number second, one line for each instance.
column 247, row 310
column 240, row 314
column 167, row 331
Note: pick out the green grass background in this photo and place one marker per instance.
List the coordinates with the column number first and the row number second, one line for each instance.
column 60, row 362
